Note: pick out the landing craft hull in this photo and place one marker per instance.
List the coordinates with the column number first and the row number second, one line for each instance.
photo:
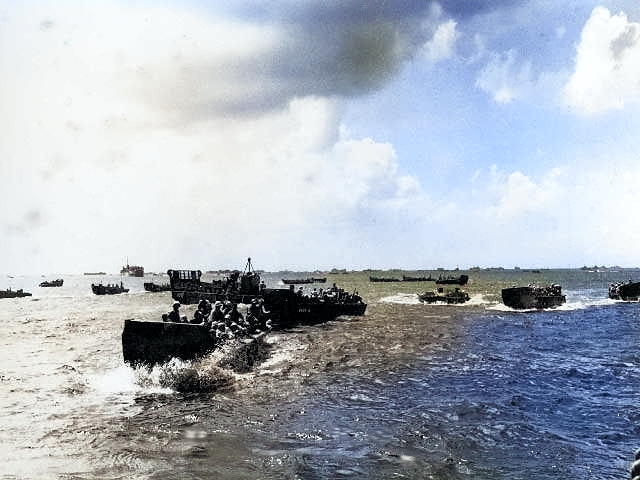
column 156, row 287
column 525, row 298
column 14, row 294
column 108, row 289
column 288, row 309
column 628, row 292
column 150, row 343
column 461, row 280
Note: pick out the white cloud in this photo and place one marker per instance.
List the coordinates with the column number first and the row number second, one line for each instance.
column 101, row 162
column 443, row 43
column 505, row 79
column 518, row 196
column 607, row 67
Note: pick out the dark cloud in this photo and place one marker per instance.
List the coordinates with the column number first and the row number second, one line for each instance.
column 325, row 48
column 469, row 8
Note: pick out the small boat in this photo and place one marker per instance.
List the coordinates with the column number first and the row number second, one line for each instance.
column 384, row 279
column 628, row 292
column 52, row 283
column 14, row 293
column 157, row 287
column 95, row 273
column 109, row 289
column 533, row 296
column 302, row 281
column 453, row 297
column 460, row 280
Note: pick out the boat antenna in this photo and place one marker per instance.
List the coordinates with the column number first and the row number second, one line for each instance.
column 248, row 267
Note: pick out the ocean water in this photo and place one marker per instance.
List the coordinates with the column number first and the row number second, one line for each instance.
column 477, row 391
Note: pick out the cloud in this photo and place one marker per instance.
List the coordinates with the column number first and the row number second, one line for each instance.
column 184, row 138
column 503, row 79
column 607, row 64
column 442, row 45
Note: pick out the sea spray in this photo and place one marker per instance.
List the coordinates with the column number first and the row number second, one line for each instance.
column 196, row 377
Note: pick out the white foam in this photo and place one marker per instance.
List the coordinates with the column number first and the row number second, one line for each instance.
column 402, row 298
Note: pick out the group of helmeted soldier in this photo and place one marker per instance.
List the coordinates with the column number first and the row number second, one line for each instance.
column 332, row 294
column 224, row 320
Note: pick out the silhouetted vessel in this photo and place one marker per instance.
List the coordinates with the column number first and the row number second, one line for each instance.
column 409, row 278
column 459, row 280
column 157, row 287
column 14, row 293
column 109, row 289
column 533, row 296
column 629, row 292
column 52, row 283
column 384, row 279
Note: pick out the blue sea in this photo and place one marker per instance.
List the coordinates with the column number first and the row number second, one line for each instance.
column 477, row 391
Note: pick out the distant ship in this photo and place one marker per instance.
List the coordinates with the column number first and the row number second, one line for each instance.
column 460, row 280
column 408, row 278
column 132, row 270
column 384, row 279
column 52, row 283
column 14, row 293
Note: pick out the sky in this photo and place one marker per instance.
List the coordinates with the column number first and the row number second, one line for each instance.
column 316, row 135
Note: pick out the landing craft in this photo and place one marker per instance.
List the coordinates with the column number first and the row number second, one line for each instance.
column 150, row 342
column 533, row 296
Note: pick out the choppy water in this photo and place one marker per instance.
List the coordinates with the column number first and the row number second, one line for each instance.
column 409, row 391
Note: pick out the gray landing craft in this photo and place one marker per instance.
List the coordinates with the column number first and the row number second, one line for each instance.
column 533, row 296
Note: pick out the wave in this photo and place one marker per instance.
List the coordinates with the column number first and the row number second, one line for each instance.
column 414, row 299
column 402, row 298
